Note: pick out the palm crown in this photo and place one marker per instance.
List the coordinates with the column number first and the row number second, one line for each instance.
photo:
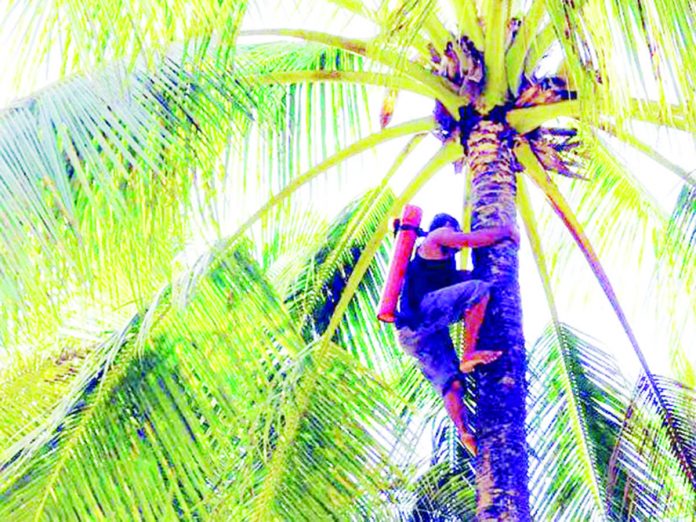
column 248, row 378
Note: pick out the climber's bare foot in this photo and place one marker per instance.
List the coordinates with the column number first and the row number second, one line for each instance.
column 473, row 359
column 469, row 442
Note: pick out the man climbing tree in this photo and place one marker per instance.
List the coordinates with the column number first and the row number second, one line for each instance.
column 435, row 294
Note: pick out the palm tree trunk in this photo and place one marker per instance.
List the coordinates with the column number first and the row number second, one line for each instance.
column 501, row 478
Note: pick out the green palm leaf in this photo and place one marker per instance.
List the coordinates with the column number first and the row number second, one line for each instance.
column 623, row 434
column 682, row 234
column 563, row 484
column 626, row 33
column 73, row 37
column 234, row 357
column 109, row 148
column 645, row 481
column 175, row 407
column 444, row 494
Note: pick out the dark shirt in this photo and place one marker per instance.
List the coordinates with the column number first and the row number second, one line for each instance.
column 422, row 277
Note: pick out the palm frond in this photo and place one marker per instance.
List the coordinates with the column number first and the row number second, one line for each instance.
column 270, row 204
column 228, row 376
column 323, row 283
column 682, row 230
column 193, row 408
column 522, row 44
column 676, row 273
column 629, row 50
column 468, row 23
column 656, row 156
column 369, row 340
column 446, row 489
column 32, row 463
column 614, row 199
column 430, row 85
column 443, row 494
column 569, row 481
column 402, row 27
column 630, row 229
column 90, row 155
column 320, row 352
column 71, row 37
column 527, row 119
column 495, row 20
column 563, row 210
column 297, row 481
column 647, row 480
column 409, row 24
column 36, row 386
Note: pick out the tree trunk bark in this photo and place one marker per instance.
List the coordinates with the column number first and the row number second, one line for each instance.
column 501, row 464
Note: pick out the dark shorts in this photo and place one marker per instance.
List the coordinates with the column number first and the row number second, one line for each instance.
column 430, row 342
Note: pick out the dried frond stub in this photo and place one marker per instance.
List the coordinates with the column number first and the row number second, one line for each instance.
column 387, row 111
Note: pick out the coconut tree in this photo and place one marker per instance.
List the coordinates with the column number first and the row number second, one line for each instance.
column 108, row 177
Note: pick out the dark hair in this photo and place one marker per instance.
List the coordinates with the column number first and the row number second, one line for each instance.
column 442, row 220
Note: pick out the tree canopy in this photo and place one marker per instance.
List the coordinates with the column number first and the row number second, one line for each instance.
column 186, row 336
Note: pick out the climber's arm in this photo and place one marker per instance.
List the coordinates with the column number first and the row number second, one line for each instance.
column 448, row 237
